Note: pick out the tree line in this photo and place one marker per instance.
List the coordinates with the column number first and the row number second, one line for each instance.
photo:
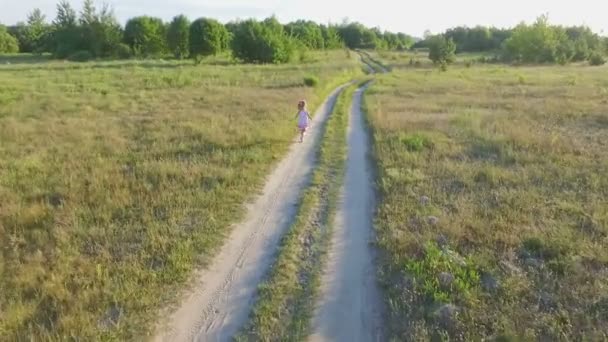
column 539, row 42
column 96, row 33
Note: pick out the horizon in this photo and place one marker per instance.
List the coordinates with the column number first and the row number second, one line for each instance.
column 500, row 15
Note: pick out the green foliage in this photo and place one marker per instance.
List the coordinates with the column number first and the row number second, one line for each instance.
column 597, row 59
column 100, row 30
column 96, row 31
column 67, row 36
column 146, row 36
column 331, row 37
column 307, row 32
column 357, row 36
column 416, row 142
column 311, row 81
column 36, row 33
column 178, row 36
column 426, row 272
column 208, row 37
column 477, row 39
column 265, row 42
column 8, row 43
column 123, row 51
column 442, row 51
column 544, row 43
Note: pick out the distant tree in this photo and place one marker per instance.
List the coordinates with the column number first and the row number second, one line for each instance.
column 178, row 36
column 37, row 32
column 208, row 37
column 265, row 42
column 8, row 43
column 307, row 32
column 405, row 41
column 536, row 43
column 67, row 37
column 442, row 51
column 357, row 36
column 331, row 37
column 146, row 36
column 100, row 32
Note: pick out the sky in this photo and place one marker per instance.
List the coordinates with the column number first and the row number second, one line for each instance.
column 412, row 17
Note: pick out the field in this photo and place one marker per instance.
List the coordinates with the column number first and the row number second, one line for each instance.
column 118, row 178
column 493, row 219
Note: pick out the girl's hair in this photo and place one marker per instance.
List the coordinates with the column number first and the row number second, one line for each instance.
column 302, row 104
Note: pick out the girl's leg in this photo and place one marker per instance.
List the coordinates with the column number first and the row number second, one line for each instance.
column 301, row 135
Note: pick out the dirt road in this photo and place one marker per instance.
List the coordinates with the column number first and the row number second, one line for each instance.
column 220, row 302
column 349, row 308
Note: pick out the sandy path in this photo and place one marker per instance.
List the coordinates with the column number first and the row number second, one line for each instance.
column 349, row 308
column 220, row 302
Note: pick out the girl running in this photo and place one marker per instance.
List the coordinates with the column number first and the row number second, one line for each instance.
column 303, row 119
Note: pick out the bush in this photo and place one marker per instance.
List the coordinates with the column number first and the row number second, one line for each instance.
column 123, row 51
column 596, row 59
column 416, row 142
column 81, row 56
column 311, row 81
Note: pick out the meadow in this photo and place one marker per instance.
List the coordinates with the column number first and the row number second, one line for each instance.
column 117, row 179
column 493, row 218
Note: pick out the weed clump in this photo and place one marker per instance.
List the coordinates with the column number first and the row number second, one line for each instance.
column 416, row 142
column 311, row 81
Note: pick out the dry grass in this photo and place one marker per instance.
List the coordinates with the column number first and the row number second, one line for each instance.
column 118, row 178
column 494, row 211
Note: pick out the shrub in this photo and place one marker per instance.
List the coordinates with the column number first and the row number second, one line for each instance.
column 416, row 142
column 81, row 56
column 596, row 59
column 123, row 51
column 311, row 81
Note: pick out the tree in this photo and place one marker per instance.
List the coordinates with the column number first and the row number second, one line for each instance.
column 255, row 42
column 307, row 32
column 405, row 41
column 207, row 37
column 331, row 37
column 99, row 31
column 146, row 36
column 67, row 34
column 37, row 32
column 8, row 43
column 353, row 35
column 178, row 36
column 442, row 51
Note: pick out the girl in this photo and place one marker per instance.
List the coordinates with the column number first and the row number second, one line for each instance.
column 303, row 119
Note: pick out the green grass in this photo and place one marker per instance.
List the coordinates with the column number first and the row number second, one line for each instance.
column 493, row 218
column 420, row 59
column 286, row 299
column 117, row 179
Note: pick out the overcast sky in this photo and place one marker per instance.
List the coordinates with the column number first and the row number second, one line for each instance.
column 413, row 17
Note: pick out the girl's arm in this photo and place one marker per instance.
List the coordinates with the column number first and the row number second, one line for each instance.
column 310, row 117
